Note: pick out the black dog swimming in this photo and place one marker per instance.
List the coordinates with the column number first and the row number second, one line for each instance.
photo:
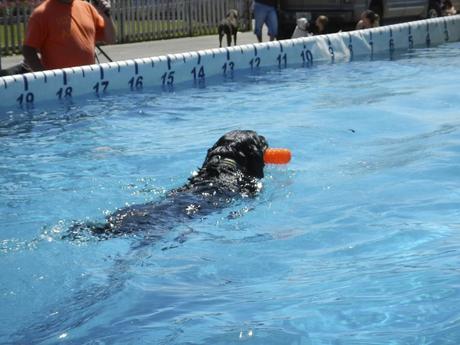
column 232, row 169
column 228, row 27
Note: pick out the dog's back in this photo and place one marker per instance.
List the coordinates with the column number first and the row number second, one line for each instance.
column 232, row 168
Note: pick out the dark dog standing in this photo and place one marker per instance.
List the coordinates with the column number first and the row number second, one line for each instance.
column 228, row 27
column 232, row 168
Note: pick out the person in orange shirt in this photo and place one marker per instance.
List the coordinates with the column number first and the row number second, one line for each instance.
column 64, row 33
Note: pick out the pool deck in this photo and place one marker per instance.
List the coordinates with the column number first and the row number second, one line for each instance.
column 118, row 52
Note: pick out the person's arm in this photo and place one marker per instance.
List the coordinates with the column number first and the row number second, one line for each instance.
column 34, row 40
column 104, row 9
column 31, row 58
column 110, row 34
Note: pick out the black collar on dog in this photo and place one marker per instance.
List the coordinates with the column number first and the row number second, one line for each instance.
column 229, row 162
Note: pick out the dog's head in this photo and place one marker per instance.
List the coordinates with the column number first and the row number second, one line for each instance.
column 232, row 14
column 245, row 149
column 303, row 24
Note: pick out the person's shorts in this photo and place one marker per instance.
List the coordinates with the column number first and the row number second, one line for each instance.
column 264, row 14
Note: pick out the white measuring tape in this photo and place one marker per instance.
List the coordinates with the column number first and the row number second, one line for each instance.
column 193, row 68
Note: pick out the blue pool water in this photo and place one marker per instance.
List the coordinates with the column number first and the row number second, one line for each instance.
column 356, row 241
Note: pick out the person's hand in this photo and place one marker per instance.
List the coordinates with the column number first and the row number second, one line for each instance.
column 103, row 6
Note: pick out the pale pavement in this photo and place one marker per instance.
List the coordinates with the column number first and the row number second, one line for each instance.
column 127, row 51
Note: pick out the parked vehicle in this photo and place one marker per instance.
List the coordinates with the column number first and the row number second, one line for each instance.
column 348, row 12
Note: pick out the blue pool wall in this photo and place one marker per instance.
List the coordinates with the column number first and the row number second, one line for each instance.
column 193, row 68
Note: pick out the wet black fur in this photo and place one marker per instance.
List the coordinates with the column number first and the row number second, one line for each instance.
column 232, row 168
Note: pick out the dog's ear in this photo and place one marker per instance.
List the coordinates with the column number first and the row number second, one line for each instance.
column 248, row 149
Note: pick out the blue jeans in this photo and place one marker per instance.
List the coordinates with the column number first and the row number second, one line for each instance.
column 264, row 14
